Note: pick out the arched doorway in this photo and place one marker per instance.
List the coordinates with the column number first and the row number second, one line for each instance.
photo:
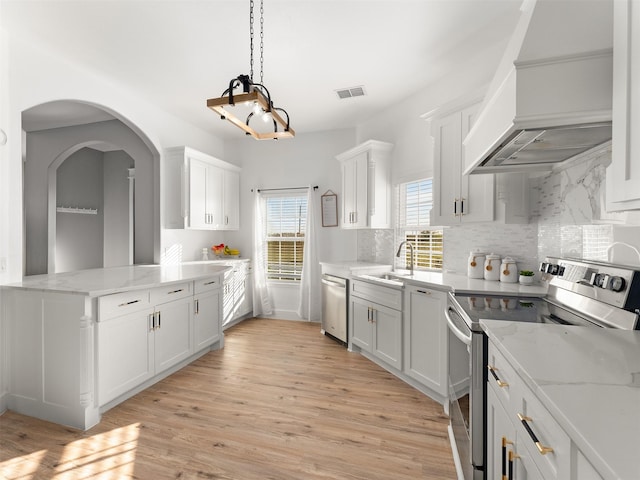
column 82, row 209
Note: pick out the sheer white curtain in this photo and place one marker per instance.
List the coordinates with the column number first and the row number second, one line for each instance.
column 261, row 300
column 309, row 307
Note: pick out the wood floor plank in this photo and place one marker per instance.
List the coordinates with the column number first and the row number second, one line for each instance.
column 280, row 401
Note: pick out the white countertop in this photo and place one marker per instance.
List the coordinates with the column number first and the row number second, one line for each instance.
column 104, row 281
column 460, row 283
column 589, row 380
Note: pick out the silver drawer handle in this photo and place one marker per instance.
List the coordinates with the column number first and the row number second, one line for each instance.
column 129, row 303
column 210, row 283
column 176, row 291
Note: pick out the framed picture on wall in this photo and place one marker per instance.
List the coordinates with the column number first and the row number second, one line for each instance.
column 329, row 203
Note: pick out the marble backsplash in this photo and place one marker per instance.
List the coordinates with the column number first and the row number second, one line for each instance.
column 568, row 219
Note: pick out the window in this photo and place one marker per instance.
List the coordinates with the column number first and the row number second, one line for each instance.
column 286, row 225
column 415, row 200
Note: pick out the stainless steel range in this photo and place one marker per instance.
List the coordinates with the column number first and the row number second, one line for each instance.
column 580, row 292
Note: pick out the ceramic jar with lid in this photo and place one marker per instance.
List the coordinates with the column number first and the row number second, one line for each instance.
column 475, row 265
column 492, row 267
column 509, row 270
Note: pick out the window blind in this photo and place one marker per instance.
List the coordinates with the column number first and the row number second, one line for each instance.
column 415, row 200
column 286, row 225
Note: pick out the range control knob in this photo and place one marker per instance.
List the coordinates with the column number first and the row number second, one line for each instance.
column 599, row 280
column 616, row 284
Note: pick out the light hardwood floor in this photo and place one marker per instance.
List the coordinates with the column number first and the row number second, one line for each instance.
column 280, row 401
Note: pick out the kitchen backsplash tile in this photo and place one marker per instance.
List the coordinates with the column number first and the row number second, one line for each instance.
column 517, row 241
column 376, row 246
column 568, row 219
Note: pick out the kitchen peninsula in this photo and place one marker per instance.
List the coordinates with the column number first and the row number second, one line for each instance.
column 81, row 342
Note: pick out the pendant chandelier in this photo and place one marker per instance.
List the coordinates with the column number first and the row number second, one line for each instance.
column 255, row 100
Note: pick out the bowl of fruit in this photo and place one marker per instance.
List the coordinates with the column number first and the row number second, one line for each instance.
column 218, row 250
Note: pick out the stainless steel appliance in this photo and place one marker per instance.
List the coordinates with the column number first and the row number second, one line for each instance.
column 580, row 292
column 334, row 307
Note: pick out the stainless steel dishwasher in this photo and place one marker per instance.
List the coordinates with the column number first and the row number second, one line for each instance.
column 334, row 307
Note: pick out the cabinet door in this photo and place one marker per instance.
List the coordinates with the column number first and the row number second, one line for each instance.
column 125, row 354
column 623, row 175
column 505, row 441
column 206, row 319
column 447, row 162
column 231, row 200
column 458, row 198
column 387, row 335
column 172, row 335
column 361, row 334
column 349, row 192
column 476, row 191
column 198, row 215
column 244, row 294
column 363, row 191
column 425, row 340
column 215, row 194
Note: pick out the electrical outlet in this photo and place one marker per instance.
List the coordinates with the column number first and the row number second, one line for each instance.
column 3, row 264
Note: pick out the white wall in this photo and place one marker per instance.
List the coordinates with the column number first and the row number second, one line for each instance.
column 116, row 165
column 309, row 159
column 38, row 76
column 80, row 237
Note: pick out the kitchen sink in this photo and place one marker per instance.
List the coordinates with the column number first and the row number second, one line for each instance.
column 388, row 278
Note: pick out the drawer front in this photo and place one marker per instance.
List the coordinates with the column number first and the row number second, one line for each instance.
column 534, row 422
column 207, row 284
column 502, row 378
column 387, row 296
column 170, row 293
column 110, row 306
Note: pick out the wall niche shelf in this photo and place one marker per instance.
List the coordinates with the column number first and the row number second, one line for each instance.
column 84, row 211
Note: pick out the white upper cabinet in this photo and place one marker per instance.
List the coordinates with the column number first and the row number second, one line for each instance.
column 458, row 198
column 200, row 191
column 623, row 175
column 366, row 186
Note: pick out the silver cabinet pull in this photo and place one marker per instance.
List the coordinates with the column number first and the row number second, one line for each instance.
column 197, row 307
column 152, row 322
column 129, row 303
column 176, row 291
column 210, row 283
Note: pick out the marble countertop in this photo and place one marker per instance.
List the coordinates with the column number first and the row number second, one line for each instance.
column 105, row 281
column 589, row 380
column 461, row 283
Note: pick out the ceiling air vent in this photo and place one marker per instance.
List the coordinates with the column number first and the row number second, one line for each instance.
column 350, row 92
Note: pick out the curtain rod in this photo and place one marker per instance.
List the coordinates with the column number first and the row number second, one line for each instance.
column 315, row 187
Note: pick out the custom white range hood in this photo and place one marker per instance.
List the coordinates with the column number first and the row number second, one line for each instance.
column 551, row 97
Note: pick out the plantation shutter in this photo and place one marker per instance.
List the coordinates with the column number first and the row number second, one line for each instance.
column 415, row 200
column 286, row 226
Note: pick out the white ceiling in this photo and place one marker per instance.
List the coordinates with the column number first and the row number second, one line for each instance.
column 178, row 53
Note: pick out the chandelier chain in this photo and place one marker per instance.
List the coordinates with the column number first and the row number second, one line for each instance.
column 261, row 41
column 251, row 39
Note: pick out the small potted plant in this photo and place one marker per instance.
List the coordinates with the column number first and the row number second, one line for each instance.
column 526, row 277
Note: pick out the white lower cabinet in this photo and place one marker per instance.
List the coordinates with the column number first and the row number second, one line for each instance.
column 507, row 457
column 172, row 335
column 207, row 306
column 425, row 337
column 520, row 428
column 144, row 333
column 125, row 354
column 237, row 292
column 136, row 346
column 377, row 328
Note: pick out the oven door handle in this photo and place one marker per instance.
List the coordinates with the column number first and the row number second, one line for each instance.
column 466, row 339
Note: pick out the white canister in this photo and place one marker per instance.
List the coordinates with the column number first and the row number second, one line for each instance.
column 492, row 267
column 509, row 270
column 475, row 265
